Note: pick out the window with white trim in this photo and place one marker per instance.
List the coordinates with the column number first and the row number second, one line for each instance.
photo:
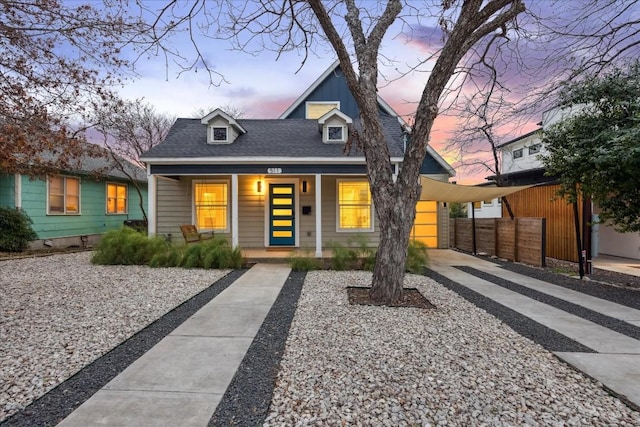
column 219, row 134
column 211, row 205
column 534, row 149
column 335, row 133
column 117, row 196
column 355, row 209
column 63, row 195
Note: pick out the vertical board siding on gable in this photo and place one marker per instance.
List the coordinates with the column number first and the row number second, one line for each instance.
column 334, row 88
column 7, row 190
column 173, row 208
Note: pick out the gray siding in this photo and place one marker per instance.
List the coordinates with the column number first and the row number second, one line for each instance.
column 173, row 206
column 250, row 213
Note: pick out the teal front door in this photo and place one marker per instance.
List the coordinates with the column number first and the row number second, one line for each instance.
column 282, row 229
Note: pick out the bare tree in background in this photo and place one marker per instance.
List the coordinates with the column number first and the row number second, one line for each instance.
column 556, row 42
column 56, row 59
column 232, row 110
column 130, row 128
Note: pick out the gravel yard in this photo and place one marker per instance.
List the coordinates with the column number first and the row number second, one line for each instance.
column 456, row 365
column 59, row 313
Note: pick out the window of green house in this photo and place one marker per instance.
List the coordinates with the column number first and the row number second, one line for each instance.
column 355, row 210
column 211, row 205
column 116, row 198
column 63, row 195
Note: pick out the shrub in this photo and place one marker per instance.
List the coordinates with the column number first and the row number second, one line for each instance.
column 304, row 263
column 214, row 253
column 127, row 247
column 357, row 254
column 417, row 257
column 343, row 257
column 172, row 257
column 15, row 230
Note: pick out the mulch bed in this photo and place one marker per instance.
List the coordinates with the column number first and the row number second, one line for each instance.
column 411, row 297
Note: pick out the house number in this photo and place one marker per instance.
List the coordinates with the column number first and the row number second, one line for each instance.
column 274, row 170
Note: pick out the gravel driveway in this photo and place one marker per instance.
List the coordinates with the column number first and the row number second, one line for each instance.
column 59, row 313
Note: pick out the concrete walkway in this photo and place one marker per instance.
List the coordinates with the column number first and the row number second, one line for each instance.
column 181, row 380
column 616, row 363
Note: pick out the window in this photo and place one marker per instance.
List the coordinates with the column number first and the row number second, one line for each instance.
column 355, row 210
column 477, row 205
column 219, row 134
column 63, row 196
column 315, row 110
column 334, row 133
column 487, row 202
column 116, row 198
column 211, row 205
column 517, row 153
column 534, row 149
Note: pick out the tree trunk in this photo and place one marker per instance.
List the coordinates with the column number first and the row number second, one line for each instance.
column 389, row 270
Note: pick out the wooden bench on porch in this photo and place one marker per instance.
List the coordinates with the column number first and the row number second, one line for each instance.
column 191, row 234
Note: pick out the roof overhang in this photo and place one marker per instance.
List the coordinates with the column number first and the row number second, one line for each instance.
column 260, row 160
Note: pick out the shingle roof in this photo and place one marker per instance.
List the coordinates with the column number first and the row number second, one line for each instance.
column 265, row 138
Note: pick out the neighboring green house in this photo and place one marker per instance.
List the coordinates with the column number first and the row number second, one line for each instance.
column 286, row 182
column 74, row 208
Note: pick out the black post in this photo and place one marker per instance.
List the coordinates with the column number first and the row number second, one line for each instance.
column 473, row 227
column 586, row 233
column 576, row 219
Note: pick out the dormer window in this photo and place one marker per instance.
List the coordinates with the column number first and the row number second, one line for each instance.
column 219, row 134
column 335, row 134
column 334, row 126
column 221, row 127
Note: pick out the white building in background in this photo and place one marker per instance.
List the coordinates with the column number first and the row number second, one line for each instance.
column 521, row 164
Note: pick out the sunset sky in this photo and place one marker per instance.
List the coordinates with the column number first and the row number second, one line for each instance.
column 264, row 87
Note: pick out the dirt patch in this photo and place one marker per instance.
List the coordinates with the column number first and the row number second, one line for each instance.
column 411, row 297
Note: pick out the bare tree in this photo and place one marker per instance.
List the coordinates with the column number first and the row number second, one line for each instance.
column 55, row 59
column 130, row 128
column 357, row 34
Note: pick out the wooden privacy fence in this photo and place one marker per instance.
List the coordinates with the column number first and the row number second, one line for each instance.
column 520, row 239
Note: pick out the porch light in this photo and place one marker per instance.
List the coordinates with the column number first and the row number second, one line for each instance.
column 305, row 186
column 259, row 186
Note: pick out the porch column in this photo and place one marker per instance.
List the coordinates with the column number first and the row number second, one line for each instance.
column 234, row 210
column 318, row 188
column 153, row 201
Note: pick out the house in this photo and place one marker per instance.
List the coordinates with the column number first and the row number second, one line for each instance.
column 74, row 208
column 288, row 182
column 522, row 165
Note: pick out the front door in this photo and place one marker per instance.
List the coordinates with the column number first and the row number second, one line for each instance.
column 282, row 231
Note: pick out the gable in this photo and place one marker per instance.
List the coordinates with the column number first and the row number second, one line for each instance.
column 331, row 87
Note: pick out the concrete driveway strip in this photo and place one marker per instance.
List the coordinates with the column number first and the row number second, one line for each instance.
column 608, row 308
column 181, row 380
column 592, row 335
column 618, row 372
